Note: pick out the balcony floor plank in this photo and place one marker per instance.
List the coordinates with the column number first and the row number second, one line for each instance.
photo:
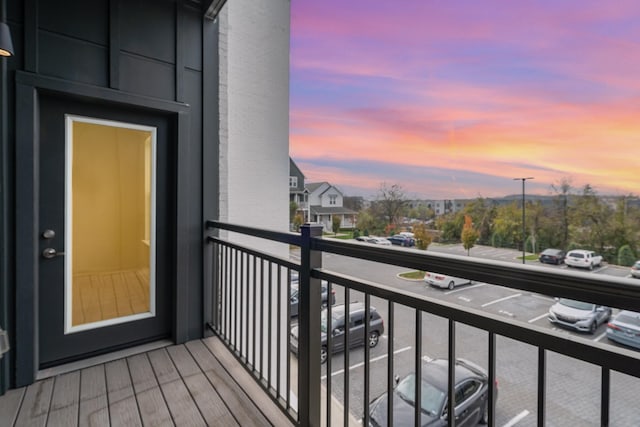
column 10, row 405
column 198, row 383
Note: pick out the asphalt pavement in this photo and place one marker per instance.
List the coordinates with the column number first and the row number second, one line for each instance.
column 573, row 394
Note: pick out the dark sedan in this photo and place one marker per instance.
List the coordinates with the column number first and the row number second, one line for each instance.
column 472, row 396
column 402, row 240
column 552, row 256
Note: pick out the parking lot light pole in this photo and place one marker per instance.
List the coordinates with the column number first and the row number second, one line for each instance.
column 524, row 231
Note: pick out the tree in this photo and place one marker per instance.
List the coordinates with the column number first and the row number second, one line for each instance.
column 293, row 208
column 365, row 222
column 482, row 212
column 336, row 222
column 391, row 201
column 590, row 218
column 451, row 226
column 422, row 236
column 626, row 256
column 507, row 226
column 469, row 234
column 563, row 210
column 421, row 212
column 297, row 222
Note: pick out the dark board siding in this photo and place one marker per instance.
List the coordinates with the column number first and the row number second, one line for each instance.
column 147, row 77
column 73, row 59
column 149, row 31
column 193, row 97
column 192, row 39
column 84, row 19
column 137, row 52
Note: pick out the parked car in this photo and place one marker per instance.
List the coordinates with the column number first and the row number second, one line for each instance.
column 583, row 259
column 552, row 256
column 635, row 269
column 443, row 281
column 402, row 240
column 578, row 315
column 471, row 391
column 379, row 241
column 337, row 329
column 294, row 298
column 625, row 328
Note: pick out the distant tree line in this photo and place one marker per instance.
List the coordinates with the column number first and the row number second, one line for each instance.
column 576, row 218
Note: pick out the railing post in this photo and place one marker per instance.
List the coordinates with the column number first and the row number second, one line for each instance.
column 309, row 330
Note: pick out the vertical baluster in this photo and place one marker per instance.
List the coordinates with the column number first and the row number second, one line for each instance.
column 451, row 404
column 288, row 355
column 542, row 372
column 278, row 329
column 262, row 319
column 242, row 323
column 254, row 299
column 604, row 398
column 390, row 374
column 347, row 312
column 329, row 343
column 418, row 368
column 492, row 378
column 367, row 354
column 269, row 314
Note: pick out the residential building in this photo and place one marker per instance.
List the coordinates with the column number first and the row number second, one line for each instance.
column 298, row 193
column 325, row 203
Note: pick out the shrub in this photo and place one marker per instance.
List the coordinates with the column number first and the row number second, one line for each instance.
column 626, row 256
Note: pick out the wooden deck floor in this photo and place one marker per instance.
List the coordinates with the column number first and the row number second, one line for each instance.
column 195, row 384
column 109, row 295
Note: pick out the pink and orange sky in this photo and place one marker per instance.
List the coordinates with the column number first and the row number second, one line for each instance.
column 454, row 99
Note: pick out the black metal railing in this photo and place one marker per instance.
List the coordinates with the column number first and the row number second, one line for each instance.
column 247, row 296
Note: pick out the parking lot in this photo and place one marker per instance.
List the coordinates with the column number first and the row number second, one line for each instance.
column 516, row 362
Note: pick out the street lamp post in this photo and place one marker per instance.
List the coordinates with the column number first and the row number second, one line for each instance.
column 524, row 231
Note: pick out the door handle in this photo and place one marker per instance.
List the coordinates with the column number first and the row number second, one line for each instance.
column 49, row 253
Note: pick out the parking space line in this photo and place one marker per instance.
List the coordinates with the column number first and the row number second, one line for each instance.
column 599, row 337
column 542, row 297
column 535, row 319
column 357, row 365
column 513, row 421
column 464, row 288
column 500, row 300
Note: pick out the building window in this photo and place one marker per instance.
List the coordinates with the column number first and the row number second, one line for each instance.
column 332, row 199
column 293, row 182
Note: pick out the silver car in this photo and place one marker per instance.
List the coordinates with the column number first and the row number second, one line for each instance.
column 625, row 328
column 578, row 315
column 635, row 270
column 443, row 281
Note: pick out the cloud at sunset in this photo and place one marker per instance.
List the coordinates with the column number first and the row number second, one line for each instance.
column 454, row 99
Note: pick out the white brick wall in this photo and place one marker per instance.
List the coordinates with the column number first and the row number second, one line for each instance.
column 254, row 113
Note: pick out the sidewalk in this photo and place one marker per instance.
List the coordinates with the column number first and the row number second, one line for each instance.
column 337, row 409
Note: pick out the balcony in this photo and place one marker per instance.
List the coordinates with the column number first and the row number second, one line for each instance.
column 250, row 312
column 246, row 371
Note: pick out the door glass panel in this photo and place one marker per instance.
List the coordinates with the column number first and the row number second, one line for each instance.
column 110, row 202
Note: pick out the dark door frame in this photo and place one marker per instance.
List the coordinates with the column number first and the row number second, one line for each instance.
column 28, row 88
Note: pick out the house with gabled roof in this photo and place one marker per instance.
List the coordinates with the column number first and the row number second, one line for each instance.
column 326, row 202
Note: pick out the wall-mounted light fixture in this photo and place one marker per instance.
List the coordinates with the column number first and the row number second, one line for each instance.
column 6, row 45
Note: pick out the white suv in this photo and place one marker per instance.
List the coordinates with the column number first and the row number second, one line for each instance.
column 582, row 258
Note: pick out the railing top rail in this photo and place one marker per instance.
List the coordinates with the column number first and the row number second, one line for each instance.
column 259, row 254
column 613, row 291
column 278, row 236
